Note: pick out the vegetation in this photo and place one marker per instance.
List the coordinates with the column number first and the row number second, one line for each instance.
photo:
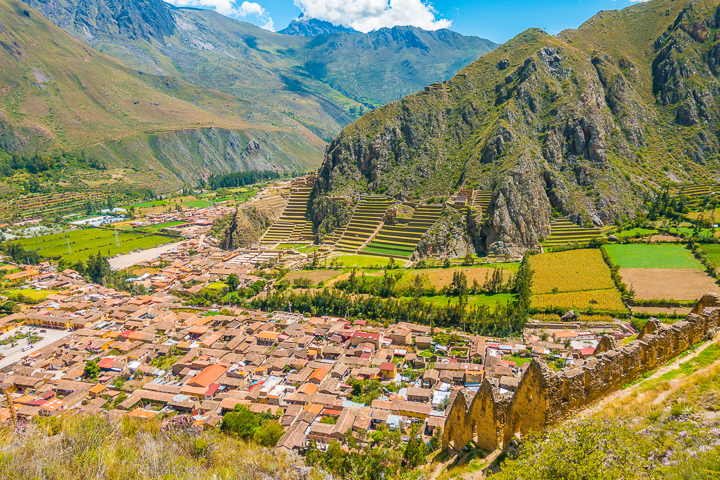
column 80, row 447
column 666, row 255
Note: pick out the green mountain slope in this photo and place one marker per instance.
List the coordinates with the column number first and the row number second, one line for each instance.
column 323, row 82
column 585, row 123
column 59, row 94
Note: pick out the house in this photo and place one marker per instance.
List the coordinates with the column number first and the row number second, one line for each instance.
column 318, row 375
column 422, row 395
column 388, row 370
column 423, row 342
column 267, row 338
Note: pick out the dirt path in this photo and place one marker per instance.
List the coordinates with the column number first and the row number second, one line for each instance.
column 620, row 394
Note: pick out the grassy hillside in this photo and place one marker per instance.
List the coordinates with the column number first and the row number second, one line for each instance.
column 584, row 123
column 61, row 95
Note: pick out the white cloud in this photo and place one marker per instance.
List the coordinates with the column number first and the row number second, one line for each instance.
column 367, row 15
column 232, row 8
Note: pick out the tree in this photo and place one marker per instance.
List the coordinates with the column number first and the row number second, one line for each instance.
column 268, row 434
column 468, row 260
column 92, row 371
column 233, row 282
column 98, row 269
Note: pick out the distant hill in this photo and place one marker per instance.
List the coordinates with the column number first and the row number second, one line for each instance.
column 312, row 27
column 324, row 82
column 60, row 95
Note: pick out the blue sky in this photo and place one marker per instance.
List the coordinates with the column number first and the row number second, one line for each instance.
column 497, row 20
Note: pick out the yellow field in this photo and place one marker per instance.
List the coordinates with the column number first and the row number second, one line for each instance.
column 603, row 300
column 571, row 271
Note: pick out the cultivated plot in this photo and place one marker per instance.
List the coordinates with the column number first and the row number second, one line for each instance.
column 571, row 271
column 652, row 256
column 668, row 283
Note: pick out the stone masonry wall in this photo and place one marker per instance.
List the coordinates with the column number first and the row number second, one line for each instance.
column 545, row 397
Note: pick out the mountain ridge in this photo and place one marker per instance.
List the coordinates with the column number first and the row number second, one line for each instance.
column 312, row 27
column 285, row 73
column 551, row 125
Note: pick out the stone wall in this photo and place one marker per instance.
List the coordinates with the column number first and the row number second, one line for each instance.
column 545, row 397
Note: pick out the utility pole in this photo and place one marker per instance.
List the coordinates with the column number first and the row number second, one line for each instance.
column 67, row 239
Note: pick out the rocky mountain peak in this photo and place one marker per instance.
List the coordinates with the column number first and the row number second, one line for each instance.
column 312, row 27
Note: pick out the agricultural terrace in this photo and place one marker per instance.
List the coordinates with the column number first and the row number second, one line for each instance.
column 570, row 271
column 664, row 255
column 90, row 241
column 575, row 279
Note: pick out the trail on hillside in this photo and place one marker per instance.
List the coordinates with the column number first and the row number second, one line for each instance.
column 620, row 394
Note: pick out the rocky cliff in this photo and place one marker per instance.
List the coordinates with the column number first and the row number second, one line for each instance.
column 585, row 123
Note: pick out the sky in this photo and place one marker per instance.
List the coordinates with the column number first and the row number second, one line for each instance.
column 496, row 20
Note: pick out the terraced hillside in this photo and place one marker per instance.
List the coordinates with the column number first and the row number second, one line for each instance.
column 293, row 224
column 401, row 240
column 564, row 232
column 366, row 219
column 694, row 191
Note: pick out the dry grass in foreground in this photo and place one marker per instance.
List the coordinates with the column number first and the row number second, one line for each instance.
column 98, row 448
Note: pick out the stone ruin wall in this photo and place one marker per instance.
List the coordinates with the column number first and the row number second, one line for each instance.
column 545, row 397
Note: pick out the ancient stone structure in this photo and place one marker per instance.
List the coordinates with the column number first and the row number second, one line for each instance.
column 545, row 397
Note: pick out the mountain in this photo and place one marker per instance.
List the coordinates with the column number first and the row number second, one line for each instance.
column 312, row 27
column 583, row 124
column 60, row 95
column 323, row 82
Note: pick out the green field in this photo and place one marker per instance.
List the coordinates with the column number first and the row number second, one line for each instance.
column 90, row 241
column 362, row 260
column 652, row 256
column 156, row 203
column 197, row 203
column 29, row 293
column 635, row 232
column 473, row 300
column 713, row 252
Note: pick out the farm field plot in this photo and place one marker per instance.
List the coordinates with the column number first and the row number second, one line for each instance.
column 198, row 203
column 668, row 283
column 315, row 276
column 362, row 261
column 635, row 232
column 597, row 299
column 90, row 241
column 473, row 300
column 442, row 277
column 157, row 203
column 713, row 252
column 652, row 256
column 663, row 310
column 570, row 271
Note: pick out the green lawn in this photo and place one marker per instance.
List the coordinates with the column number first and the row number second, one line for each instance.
column 473, row 300
column 652, row 256
column 197, row 203
column 90, row 241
